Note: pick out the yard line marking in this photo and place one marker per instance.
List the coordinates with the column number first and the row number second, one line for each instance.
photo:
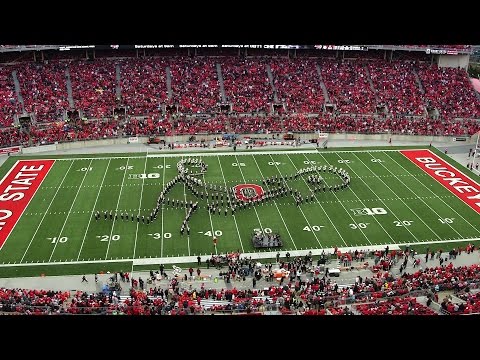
column 228, row 197
column 279, row 213
column 68, row 215
column 439, row 237
column 163, row 187
column 384, row 204
column 116, row 208
column 185, row 208
column 209, row 214
column 139, row 208
column 315, row 195
column 245, row 181
column 435, row 195
column 95, row 204
column 334, row 194
column 43, row 217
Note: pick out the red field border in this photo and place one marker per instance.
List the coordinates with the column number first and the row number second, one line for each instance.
column 459, row 184
column 17, row 188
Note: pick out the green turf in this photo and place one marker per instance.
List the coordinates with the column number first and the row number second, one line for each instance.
column 58, row 225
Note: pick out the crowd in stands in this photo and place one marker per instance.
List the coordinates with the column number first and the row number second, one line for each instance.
column 348, row 87
column 195, row 84
column 9, row 104
column 396, row 87
column 297, row 84
column 44, row 90
column 246, row 84
column 93, row 87
column 358, row 88
column 395, row 306
column 449, row 90
column 143, row 85
column 60, row 131
column 293, row 293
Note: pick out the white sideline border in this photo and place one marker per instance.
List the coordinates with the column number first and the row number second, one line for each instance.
column 256, row 255
column 223, row 153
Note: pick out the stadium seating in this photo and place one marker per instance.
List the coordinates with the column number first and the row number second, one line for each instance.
column 44, row 90
column 195, row 85
column 298, row 85
column 246, row 84
column 196, row 90
column 9, row 105
column 143, row 85
column 93, row 87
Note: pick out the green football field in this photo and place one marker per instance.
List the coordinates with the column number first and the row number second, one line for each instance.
column 389, row 201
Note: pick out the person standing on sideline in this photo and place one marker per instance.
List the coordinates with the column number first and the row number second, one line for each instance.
column 84, row 279
column 199, row 260
column 96, row 278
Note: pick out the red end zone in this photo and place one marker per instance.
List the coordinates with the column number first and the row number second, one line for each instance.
column 17, row 189
column 454, row 180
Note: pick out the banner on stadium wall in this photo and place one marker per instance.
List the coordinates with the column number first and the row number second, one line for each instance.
column 10, row 150
column 133, row 139
column 460, row 139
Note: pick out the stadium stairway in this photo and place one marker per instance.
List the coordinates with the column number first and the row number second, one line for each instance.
column 370, row 82
column 270, row 79
column 220, row 82
column 169, row 83
column 322, row 85
column 419, row 82
column 118, row 89
column 69, row 89
column 17, row 90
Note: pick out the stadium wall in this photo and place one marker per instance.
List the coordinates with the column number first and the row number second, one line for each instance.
column 302, row 137
column 453, row 61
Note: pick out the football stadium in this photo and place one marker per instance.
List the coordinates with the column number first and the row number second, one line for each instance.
column 239, row 179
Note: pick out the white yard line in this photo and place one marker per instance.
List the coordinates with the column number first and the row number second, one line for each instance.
column 139, row 209
column 245, row 181
column 94, row 205
column 68, row 214
column 163, row 187
column 228, row 197
column 435, row 194
column 384, row 204
column 209, row 214
column 341, row 203
column 186, row 212
column 46, row 211
column 439, row 237
column 116, row 208
column 315, row 195
column 278, row 210
column 404, row 203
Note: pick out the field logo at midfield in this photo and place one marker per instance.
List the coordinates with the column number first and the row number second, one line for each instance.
column 451, row 178
column 247, row 192
column 17, row 189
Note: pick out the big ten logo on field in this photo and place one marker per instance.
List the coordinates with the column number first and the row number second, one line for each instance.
column 369, row 211
column 144, row 176
column 247, row 192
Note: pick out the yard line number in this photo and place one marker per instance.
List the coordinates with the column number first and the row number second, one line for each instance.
column 107, row 237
